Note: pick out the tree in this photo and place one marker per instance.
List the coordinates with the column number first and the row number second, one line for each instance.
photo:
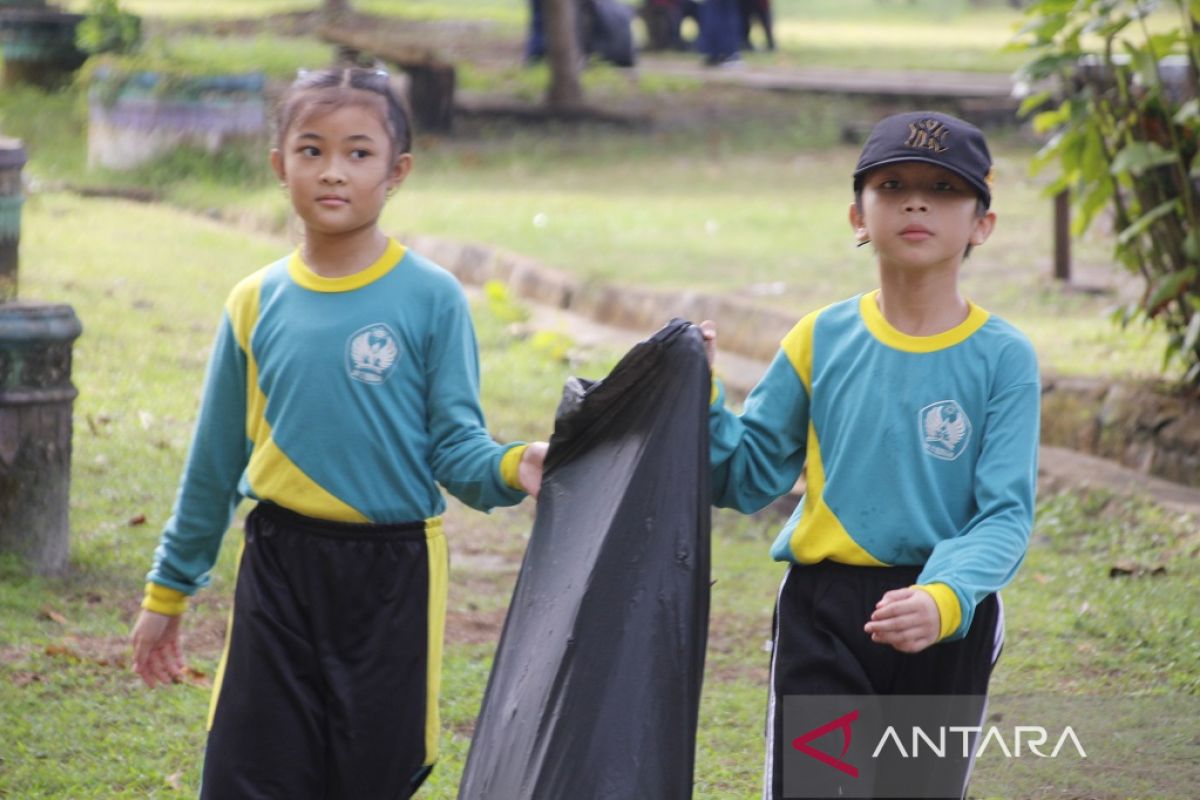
column 1126, row 131
column 565, row 92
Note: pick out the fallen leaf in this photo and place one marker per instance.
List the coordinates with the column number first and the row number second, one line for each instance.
column 137, row 519
column 1127, row 568
column 194, row 676
column 26, row 678
column 1041, row 579
column 62, row 651
column 54, row 616
column 174, row 780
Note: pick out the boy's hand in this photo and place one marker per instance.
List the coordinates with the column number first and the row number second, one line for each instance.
column 157, row 656
column 906, row 619
column 529, row 471
column 708, row 329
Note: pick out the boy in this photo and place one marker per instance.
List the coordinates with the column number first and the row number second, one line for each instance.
column 915, row 413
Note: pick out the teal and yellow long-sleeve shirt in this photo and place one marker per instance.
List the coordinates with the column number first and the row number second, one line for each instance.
column 919, row 450
column 345, row 399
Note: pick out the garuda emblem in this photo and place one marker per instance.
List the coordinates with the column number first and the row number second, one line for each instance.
column 945, row 429
column 372, row 353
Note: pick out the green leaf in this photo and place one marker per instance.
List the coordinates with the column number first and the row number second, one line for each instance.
column 1094, row 161
column 1188, row 112
column 1046, row 66
column 1093, row 200
column 1170, row 288
column 1137, row 157
column 1169, row 352
column 1046, row 121
column 1162, row 44
column 1139, row 225
column 1125, row 313
column 1191, row 244
column 1144, row 64
column 1033, row 102
column 1044, row 28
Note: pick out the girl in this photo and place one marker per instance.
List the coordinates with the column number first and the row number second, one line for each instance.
column 343, row 386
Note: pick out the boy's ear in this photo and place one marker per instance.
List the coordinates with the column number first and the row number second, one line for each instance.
column 984, row 225
column 858, row 223
column 277, row 163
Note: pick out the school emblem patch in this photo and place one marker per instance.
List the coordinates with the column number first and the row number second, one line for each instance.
column 945, row 429
column 372, row 353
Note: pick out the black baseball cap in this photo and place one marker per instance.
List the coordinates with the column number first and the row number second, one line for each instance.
column 932, row 138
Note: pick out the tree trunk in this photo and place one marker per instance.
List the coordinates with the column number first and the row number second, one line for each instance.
column 562, row 50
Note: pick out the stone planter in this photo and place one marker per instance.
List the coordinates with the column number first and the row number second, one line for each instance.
column 38, row 44
column 136, row 117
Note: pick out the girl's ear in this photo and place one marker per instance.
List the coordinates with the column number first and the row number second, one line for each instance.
column 277, row 164
column 400, row 169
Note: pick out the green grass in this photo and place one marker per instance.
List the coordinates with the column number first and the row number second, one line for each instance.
column 277, row 56
column 148, row 282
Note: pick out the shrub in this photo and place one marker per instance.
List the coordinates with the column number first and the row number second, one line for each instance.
column 1126, row 123
column 108, row 29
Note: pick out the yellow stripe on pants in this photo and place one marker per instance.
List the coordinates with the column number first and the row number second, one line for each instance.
column 439, row 569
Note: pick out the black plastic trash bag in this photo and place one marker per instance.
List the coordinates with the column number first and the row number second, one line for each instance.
column 595, row 689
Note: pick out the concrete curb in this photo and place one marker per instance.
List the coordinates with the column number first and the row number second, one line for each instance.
column 746, row 329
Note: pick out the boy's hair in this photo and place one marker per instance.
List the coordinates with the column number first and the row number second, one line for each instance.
column 321, row 91
column 931, row 138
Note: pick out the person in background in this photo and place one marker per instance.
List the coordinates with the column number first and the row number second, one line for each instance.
column 720, row 32
column 759, row 10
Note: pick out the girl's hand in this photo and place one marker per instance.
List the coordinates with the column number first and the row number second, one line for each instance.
column 529, row 471
column 157, row 656
column 907, row 619
column 708, row 329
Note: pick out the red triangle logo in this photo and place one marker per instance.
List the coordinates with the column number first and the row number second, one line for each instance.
column 842, row 723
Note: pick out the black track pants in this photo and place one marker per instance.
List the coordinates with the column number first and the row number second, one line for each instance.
column 820, row 648
column 328, row 687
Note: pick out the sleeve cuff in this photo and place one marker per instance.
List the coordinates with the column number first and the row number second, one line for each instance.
column 510, row 466
column 948, row 607
column 164, row 600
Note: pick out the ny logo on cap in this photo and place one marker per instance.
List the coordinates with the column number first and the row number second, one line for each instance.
column 928, row 134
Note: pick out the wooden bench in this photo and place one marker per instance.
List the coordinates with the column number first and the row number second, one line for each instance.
column 431, row 79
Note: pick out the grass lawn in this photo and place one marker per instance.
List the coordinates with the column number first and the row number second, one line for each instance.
column 78, row 724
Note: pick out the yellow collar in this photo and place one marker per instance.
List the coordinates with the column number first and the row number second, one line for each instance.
column 303, row 275
column 882, row 330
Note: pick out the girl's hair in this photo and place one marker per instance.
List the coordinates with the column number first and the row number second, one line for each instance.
column 322, row 91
